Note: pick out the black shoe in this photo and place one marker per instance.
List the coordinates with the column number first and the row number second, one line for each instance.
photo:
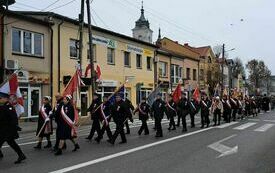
column 158, row 136
column 139, row 133
column 174, row 128
column 1, row 154
column 146, row 133
column 64, row 146
column 88, row 138
column 20, row 159
column 184, row 130
column 97, row 140
column 58, row 152
column 38, row 146
column 123, row 142
column 111, row 141
column 169, row 128
column 49, row 145
column 128, row 132
column 76, row 147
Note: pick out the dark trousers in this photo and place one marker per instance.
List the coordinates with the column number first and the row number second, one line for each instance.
column 234, row 113
column 13, row 145
column 179, row 118
column 229, row 115
column 192, row 117
column 158, row 127
column 217, row 116
column 172, row 122
column 143, row 127
column 127, row 126
column 108, row 130
column 183, row 118
column 95, row 127
column 205, row 118
column 119, row 131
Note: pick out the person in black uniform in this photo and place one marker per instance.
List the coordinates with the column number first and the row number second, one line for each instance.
column 227, row 109
column 143, row 110
column 9, row 127
column 265, row 103
column 171, row 112
column 235, row 106
column 131, row 109
column 119, row 113
column 94, row 110
column 106, row 110
column 205, row 105
column 247, row 103
column 66, row 129
column 193, row 111
column 158, row 110
column 184, row 107
column 45, row 117
column 254, row 106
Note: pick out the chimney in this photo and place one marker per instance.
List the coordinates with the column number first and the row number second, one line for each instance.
column 186, row 44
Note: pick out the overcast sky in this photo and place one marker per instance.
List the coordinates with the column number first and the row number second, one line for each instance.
column 246, row 25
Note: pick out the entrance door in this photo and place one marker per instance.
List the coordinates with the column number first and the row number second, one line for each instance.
column 25, row 95
column 84, row 103
column 35, row 101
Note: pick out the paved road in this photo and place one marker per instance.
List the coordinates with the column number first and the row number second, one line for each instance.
column 246, row 146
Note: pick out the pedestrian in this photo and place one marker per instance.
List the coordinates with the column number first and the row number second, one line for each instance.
column 184, row 107
column 205, row 105
column 119, row 113
column 247, row 103
column 193, row 111
column 241, row 107
column 227, row 109
column 254, row 107
column 235, row 106
column 217, row 110
column 158, row 110
column 171, row 112
column 265, row 103
column 95, row 113
column 9, row 127
column 130, row 116
column 143, row 110
column 45, row 125
column 105, row 110
column 67, row 125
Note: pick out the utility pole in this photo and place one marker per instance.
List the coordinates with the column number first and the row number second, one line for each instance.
column 81, row 24
column 91, row 54
column 223, row 61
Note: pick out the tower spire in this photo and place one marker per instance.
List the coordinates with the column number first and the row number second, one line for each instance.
column 159, row 36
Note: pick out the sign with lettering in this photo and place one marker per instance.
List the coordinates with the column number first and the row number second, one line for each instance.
column 104, row 41
column 134, row 49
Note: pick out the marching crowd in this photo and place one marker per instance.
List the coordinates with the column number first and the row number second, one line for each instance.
column 227, row 108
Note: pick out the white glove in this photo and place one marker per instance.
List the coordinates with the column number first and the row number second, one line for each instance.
column 51, row 112
column 47, row 119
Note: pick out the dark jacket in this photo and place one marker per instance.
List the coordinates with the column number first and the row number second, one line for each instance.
column 120, row 112
column 205, row 105
column 64, row 130
column 158, row 109
column 41, row 121
column 171, row 110
column 130, row 107
column 143, row 110
column 184, row 106
column 194, row 107
column 94, row 109
column 8, row 123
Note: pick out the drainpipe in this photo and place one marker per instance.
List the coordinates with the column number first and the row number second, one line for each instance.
column 2, row 70
column 59, row 54
column 51, row 68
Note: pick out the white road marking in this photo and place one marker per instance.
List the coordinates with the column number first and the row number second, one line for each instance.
column 224, row 150
column 244, row 126
column 254, row 120
column 264, row 128
column 226, row 125
column 272, row 121
column 102, row 159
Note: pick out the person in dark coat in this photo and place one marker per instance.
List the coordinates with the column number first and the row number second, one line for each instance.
column 45, row 122
column 158, row 110
column 171, row 112
column 106, row 110
column 193, row 111
column 66, row 129
column 247, row 103
column 9, row 127
column 254, row 106
column 265, row 103
column 205, row 105
column 119, row 113
column 143, row 110
column 94, row 110
column 131, row 109
column 184, row 108
column 235, row 106
column 227, row 109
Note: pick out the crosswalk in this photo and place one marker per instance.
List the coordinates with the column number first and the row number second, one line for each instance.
column 253, row 126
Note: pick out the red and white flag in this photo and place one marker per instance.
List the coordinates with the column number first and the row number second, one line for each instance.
column 11, row 87
column 98, row 71
column 196, row 94
column 177, row 94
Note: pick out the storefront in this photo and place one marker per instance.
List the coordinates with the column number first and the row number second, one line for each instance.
column 107, row 87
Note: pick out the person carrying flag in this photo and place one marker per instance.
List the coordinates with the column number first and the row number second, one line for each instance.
column 67, row 125
column 95, row 116
column 45, row 126
column 171, row 112
column 158, row 110
column 143, row 110
column 205, row 105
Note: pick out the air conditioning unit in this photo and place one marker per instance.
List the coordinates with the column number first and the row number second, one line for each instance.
column 156, row 59
column 11, row 64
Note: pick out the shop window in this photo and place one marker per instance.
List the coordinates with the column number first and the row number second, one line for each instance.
column 194, row 74
column 74, row 48
column 163, row 69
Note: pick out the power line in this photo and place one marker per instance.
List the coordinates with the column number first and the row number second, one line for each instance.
column 50, row 5
column 100, row 19
column 62, row 5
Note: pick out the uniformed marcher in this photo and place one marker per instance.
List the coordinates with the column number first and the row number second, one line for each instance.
column 247, row 103
column 235, row 106
column 119, row 113
column 105, row 110
column 67, row 125
column 130, row 116
column 95, row 112
column 143, row 110
column 205, row 105
column 184, row 108
column 9, row 127
column 193, row 111
column 241, row 107
column 226, row 108
column 158, row 110
column 45, row 122
column 217, row 110
column 254, row 106
column 265, row 103
column 171, row 112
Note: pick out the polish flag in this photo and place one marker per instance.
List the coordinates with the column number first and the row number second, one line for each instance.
column 177, row 94
column 11, row 88
column 98, row 71
column 196, row 94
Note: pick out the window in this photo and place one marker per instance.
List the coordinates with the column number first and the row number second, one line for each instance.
column 110, row 56
column 176, row 73
column 139, row 61
column 194, row 74
column 26, row 42
column 74, row 48
column 163, row 69
column 209, row 60
column 127, row 59
column 188, row 74
column 94, row 53
column 149, row 63
column 201, row 74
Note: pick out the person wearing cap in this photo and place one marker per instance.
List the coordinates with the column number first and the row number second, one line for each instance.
column 265, row 103
column 235, row 106
column 227, row 109
column 171, row 112
column 254, row 107
column 143, row 110
column 184, row 108
column 44, row 127
column 217, row 110
column 119, row 113
column 9, row 127
column 158, row 109
column 95, row 113
column 67, row 126
column 241, row 107
column 247, row 109
column 205, row 105
column 194, row 108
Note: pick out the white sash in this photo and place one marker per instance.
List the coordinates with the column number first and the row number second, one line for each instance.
column 140, row 110
column 204, row 103
column 193, row 106
column 234, row 101
column 105, row 120
column 69, row 122
column 45, row 116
